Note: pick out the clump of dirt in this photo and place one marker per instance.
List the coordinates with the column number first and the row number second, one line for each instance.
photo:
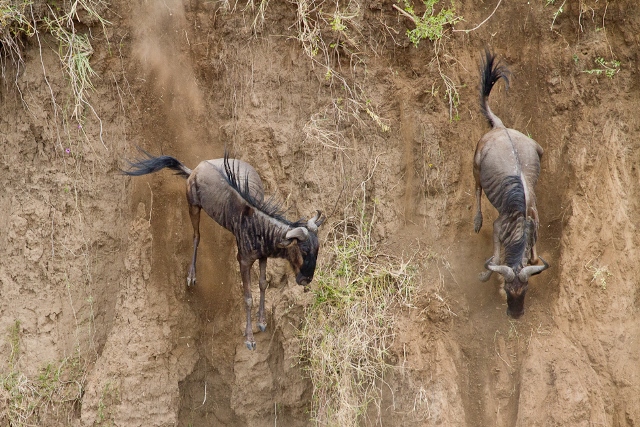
column 94, row 264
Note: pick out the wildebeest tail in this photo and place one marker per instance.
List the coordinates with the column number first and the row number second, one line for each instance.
column 491, row 70
column 152, row 164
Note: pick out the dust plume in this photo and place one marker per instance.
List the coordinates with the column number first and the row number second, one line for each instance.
column 161, row 44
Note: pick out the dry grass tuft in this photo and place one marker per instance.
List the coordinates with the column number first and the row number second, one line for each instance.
column 331, row 35
column 600, row 274
column 14, row 27
column 349, row 328
column 19, row 19
column 54, row 394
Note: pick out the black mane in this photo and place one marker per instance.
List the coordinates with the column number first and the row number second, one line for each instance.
column 515, row 229
column 271, row 206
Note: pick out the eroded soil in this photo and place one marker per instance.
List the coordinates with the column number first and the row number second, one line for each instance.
column 95, row 264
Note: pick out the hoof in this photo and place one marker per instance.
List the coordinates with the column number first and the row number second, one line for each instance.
column 477, row 224
column 262, row 327
column 251, row 345
column 191, row 281
column 485, row 275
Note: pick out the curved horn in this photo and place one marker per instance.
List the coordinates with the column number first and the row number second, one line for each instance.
column 315, row 222
column 530, row 270
column 299, row 233
column 505, row 270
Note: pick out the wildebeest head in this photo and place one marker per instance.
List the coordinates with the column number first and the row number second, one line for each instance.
column 516, row 283
column 301, row 244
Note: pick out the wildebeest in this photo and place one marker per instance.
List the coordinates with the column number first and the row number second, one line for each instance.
column 230, row 191
column 506, row 166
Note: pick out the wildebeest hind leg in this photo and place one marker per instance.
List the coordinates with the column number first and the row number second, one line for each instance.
column 194, row 213
column 477, row 220
column 262, row 322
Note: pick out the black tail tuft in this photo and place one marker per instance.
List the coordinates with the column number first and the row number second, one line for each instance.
column 152, row 164
column 491, row 70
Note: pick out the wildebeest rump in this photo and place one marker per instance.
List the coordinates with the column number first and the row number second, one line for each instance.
column 506, row 166
column 230, row 191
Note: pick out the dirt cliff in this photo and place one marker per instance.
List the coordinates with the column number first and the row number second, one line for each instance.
column 93, row 267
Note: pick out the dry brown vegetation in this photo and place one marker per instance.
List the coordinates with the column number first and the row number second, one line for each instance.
column 352, row 107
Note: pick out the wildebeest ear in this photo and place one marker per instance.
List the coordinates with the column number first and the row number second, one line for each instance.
column 286, row 243
column 532, row 270
column 505, row 270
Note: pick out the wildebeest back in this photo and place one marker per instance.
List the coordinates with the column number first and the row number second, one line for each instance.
column 219, row 199
column 506, row 153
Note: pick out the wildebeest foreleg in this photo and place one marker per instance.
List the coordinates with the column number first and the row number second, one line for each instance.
column 194, row 213
column 534, row 253
column 262, row 322
column 245, row 272
column 497, row 226
column 535, row 260
column 477, row 220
